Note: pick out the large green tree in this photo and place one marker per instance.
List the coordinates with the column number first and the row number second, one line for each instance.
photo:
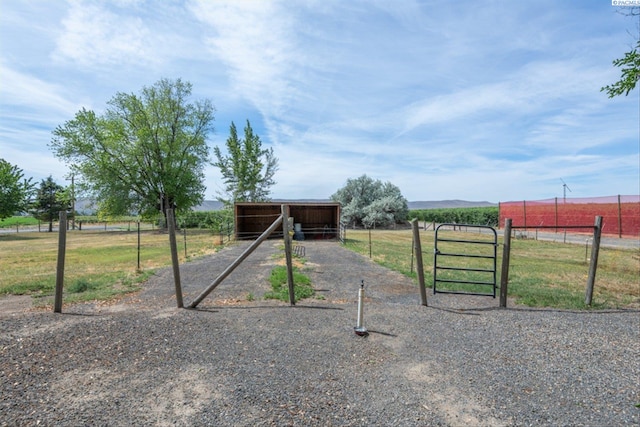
column 371, row 203
column 630, row 73
column 146, row 152
column 50, row 201
column 629, row 64
column 15, row 191
column 247, row 169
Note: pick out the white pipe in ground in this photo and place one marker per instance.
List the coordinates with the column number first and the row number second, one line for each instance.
column 360, row 329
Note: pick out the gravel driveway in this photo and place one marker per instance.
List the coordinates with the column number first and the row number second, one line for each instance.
column 460, row 361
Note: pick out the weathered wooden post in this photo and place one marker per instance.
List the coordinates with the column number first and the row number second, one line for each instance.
column 619, row 218
column 287, row 252
column 174, row 257
column 184, row 234
column 138, row 246
column 419, row 266
column 506, row 255
column 62, row 246
column 237, row 262
column 595, row 249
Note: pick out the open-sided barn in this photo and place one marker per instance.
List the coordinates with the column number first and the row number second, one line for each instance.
column 319, row 220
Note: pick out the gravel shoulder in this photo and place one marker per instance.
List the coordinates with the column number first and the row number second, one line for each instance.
column 231, row 361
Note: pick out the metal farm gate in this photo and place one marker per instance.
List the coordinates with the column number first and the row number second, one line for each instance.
column 465, row 266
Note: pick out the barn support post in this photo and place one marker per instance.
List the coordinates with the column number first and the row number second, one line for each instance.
column 286, row 227
column 174, row 257
column 595, row 249
column 506, row 255
column 237, row 262
column 62, row 246
column 419, row 266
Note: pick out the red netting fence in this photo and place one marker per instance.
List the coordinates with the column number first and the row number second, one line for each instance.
column 620, row 214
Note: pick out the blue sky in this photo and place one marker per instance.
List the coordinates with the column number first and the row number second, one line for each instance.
column 475, row 100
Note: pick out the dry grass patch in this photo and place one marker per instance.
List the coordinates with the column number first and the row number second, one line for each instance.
column 98, row 264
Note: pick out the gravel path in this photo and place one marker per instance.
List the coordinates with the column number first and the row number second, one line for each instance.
column 460, row 361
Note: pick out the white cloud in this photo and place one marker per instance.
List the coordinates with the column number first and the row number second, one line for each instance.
column 95, row 36
column 479, row 101
column 254, row 40
column 23, row 91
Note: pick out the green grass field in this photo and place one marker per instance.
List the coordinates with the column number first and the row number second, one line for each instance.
column 102, row 265
column 542, row 274
column 18, row 221
column 98, row 264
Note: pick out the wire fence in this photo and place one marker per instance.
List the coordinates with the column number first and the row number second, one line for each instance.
column 620, row 214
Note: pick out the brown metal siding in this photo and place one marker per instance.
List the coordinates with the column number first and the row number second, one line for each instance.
column 318, row 220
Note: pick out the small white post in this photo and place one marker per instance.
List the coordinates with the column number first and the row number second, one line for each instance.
column 360, row 329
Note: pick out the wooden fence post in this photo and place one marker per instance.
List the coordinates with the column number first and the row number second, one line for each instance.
column 506, row 255
column 619, row 218
column 174, row 257
column 419, row 265
column 237, row 262
column 595, row 249
column 62, row 246
column 287, row 252
column 138, row 269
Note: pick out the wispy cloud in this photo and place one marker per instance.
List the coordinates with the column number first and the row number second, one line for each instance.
column 253, row 39
column 20, row 90
column 95, row 36
column 479, row 101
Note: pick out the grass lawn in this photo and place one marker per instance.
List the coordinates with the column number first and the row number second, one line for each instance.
column 98, row 264
column 541, row 274
column 102, row 265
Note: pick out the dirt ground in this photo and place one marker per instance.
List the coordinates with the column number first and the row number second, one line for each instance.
column 241, row 360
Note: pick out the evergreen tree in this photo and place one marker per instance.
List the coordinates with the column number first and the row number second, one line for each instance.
column 50, row 201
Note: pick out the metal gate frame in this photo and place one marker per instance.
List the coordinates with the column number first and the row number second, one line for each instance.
column 438, row 254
